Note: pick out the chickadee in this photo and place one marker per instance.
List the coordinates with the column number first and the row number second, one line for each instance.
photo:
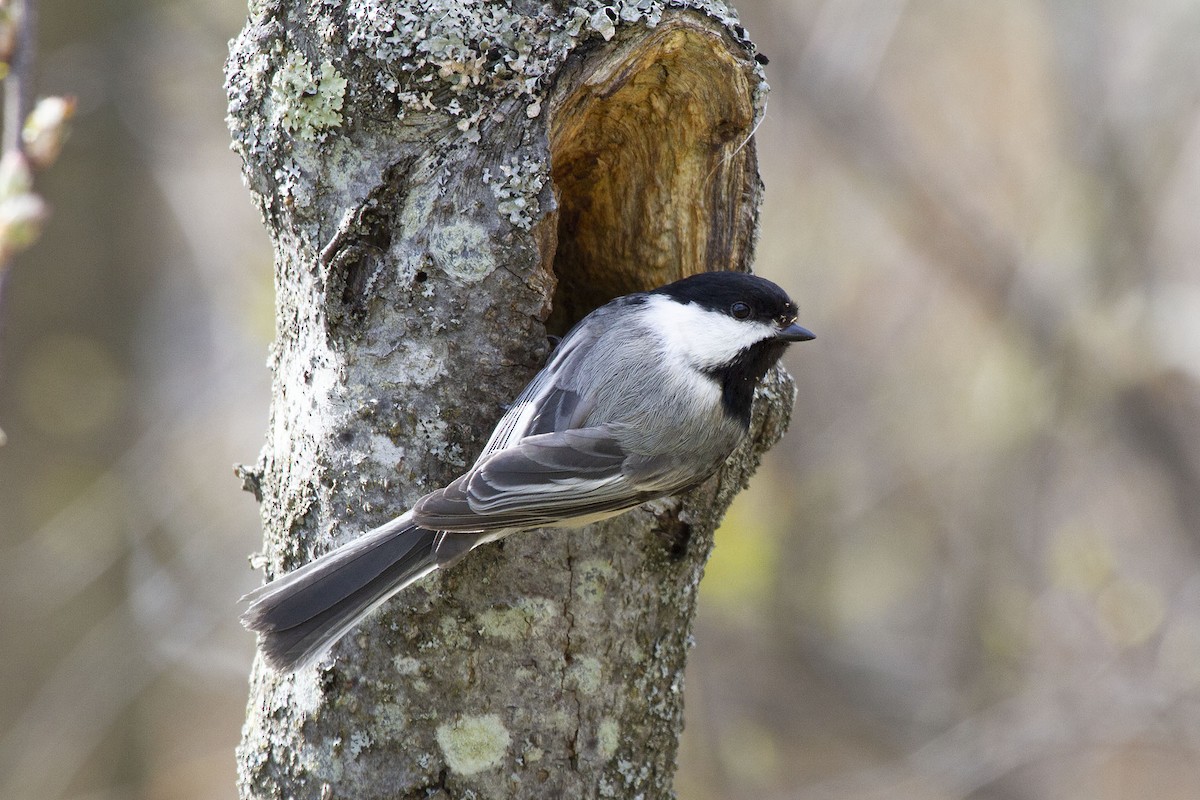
column 645, row 397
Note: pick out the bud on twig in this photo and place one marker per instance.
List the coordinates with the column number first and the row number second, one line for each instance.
column 21, row 219
column 46, row 129
column 15, row 175
column 8, row 35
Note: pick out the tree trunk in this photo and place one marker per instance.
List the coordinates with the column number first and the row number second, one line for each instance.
column 446, row 184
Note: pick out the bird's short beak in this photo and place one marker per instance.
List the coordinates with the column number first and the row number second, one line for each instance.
column 794, row 333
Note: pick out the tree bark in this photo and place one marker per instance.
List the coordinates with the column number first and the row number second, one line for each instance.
column 445, row 184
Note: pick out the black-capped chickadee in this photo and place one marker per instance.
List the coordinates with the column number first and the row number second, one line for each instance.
column 645, row 397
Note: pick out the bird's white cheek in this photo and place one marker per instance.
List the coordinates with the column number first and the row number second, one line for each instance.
column 720, row 339
column 705, row 339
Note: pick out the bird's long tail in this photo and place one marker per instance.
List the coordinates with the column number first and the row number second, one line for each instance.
column 300, row 615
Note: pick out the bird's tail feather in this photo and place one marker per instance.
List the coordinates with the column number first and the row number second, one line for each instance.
column 300, row 615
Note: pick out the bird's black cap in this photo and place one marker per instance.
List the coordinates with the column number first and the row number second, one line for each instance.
column 718, row 291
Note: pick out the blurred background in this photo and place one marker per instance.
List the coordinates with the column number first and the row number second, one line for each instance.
column 972, row 569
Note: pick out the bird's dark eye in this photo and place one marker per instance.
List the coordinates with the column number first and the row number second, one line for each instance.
column 739, row 310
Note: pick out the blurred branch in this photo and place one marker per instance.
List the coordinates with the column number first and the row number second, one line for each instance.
column 943, row 224
column 164, row 621
column 21, row 211
column 1043, row 722
column 18, row 21
column 31, row 139
column 1081, row 338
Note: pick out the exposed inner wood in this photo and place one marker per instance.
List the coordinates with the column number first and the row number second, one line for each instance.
column 653, row 164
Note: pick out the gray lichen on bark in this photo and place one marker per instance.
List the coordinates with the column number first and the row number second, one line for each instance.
column 444, row 182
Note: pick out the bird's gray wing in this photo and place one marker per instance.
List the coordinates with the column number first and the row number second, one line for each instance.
column 550, row 460
column 552, row 401
column 548, row 479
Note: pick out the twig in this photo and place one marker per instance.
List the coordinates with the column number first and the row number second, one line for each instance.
column 19, row 79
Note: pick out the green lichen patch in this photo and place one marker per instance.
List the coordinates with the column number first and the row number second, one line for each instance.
column 586, row 674
column 608, row 736
column 593, row 578
column 462, row 250
column 306, row 102
column 518, row 621
column 474, row 743
column 516, row 189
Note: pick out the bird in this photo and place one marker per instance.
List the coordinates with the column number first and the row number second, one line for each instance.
column 645, row 397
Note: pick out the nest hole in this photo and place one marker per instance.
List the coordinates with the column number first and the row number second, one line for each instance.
column 653, row 164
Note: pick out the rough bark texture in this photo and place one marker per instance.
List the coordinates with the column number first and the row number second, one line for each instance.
column 445, row 183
